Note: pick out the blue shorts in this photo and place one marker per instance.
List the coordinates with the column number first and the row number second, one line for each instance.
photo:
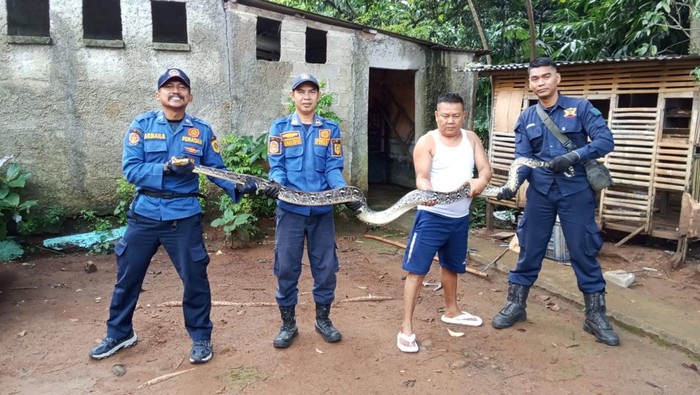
column 434, row 233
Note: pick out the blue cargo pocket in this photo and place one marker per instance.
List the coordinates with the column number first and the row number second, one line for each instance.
column 320, row 159
column 594, row 241
column 293, row 159
column 198, row 254
column 155, row 150
column 120, row 247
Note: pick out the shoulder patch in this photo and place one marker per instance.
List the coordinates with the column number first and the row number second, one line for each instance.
column 134, row 136
column 274, row 146
column 214, row 144
column 337, row 150
column 595, row 111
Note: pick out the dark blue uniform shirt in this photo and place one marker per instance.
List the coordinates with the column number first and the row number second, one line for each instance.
column 309, row 160
column 149, row 144
column 579, row 121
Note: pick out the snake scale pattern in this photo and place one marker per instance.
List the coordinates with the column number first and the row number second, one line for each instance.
column 351, row 194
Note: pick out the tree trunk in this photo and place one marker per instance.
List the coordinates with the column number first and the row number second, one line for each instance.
column 531, row 22
column 480, row 30
column 694, row 47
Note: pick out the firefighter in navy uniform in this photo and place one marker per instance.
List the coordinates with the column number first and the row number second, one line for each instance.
column 553, row 193
column 160, row 151
column 305, row 153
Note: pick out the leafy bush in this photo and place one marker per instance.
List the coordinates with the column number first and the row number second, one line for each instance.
column 42, row 221
column 126, row 193
column 11, row 206
column 245, row 155
column 99, row 225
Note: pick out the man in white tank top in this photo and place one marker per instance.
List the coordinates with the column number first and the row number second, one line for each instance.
column 444, row 160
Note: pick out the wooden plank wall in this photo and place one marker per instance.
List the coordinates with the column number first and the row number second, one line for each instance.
column 631, row 164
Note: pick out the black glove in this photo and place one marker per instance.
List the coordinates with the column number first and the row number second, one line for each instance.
column 272, row 191
column 354, row 206
column 249, row 187
column 563, row 162
column 505, row 194
column 179, row 165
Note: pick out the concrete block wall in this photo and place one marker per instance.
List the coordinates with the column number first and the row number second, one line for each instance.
column 67, row 105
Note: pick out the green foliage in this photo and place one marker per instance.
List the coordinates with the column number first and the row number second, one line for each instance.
column 247, row 155
column 11, row 205
column 564, row 29
column 42, row 221
column 477, row 215
column 99, row 224
column 323, row 108
column 125, row 193
column 696, row 73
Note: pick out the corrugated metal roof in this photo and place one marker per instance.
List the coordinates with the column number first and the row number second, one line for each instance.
column 282, row 9
column 484, row 68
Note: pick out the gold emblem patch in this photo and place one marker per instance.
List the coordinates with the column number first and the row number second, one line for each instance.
column 134, row 138
column 570, row 112
column 324, row 133
column 193, row 132
column 273, row 146
column 337, row 148
column 215, row 145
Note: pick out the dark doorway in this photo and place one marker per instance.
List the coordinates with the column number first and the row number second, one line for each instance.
column 391, row 131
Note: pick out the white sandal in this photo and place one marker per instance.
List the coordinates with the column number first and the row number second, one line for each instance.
column 411, row 340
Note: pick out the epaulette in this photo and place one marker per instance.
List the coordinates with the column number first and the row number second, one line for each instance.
column 146, row 115
column 282, row 120
column 329, row 122
column 200, row 121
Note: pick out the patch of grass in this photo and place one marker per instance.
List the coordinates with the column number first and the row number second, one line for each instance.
column 241, row 377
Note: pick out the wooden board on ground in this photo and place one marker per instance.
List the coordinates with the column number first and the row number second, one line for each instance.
column 502, row 235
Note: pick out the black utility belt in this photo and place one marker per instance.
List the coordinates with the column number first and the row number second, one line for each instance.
column 170, row 195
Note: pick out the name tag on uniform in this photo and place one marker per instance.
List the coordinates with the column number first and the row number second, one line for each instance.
column 193, row 140
column 290, row 139
column 151, row 136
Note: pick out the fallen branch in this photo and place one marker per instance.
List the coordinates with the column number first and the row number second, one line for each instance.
column 368, row 298
column 397, row 244
column 215, row 303
column 163, row 378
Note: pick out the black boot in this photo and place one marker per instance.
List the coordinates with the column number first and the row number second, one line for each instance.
column 324, row 326
column 288, row 329
column 514, row 310
column 596, row 322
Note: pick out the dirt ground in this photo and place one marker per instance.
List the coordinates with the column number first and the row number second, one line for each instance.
column 53, row 312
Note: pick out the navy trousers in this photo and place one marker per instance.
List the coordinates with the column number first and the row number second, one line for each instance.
column 319, row 232
column 182, row 240
column 583, row 240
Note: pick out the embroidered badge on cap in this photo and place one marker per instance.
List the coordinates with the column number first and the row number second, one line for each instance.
column 193, row 132
column 214, row 145
column 570, row 112
column 274, row 146
column 134, row 136
column 337, row 148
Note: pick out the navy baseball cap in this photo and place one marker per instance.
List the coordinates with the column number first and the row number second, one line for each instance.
column 173, row 73
column 302, row 78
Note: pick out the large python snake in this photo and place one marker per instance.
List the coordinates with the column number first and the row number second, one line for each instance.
column 351, row 194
